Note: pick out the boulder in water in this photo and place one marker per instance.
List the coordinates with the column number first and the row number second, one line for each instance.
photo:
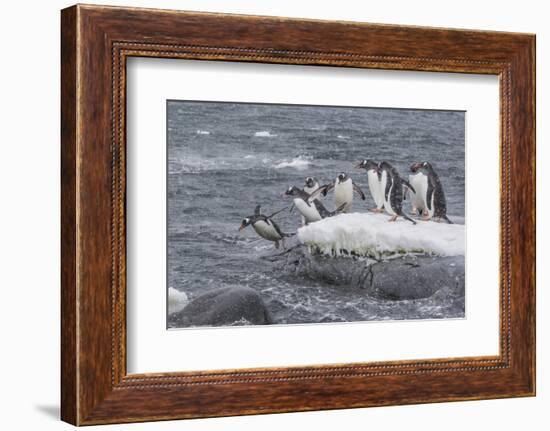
column 400, row 278
column 221, row 307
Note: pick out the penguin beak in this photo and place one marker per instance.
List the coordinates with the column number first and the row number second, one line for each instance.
column 416, row 166
column 242, row 226
column 357, row 166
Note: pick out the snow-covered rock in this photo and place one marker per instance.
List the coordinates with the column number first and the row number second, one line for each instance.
column 369, row 234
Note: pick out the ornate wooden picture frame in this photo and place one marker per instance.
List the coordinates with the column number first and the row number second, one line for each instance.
column 96, row 41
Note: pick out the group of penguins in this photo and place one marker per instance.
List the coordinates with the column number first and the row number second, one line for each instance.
column 387, row 187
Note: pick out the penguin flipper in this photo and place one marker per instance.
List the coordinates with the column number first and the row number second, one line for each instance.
column 277, row 228
column 389, row 181
column 323, row 212
column 323, row 190
column 277, row 212
column 358, row 190
column 429, row 195
column 408, row 185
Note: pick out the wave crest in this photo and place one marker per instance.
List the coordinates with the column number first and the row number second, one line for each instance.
column 299, row 162
column 264, row 134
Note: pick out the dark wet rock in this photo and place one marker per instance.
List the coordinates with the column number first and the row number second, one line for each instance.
column 221, row 307
column 400, row 278
column 416, row 277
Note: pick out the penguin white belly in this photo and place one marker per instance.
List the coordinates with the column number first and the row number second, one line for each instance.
column 266, row 230
column 309, row 212
column 375, row 188
column 420, row 183
column 343, row 194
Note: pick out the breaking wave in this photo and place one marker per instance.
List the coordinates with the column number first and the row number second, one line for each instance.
column 299, row 162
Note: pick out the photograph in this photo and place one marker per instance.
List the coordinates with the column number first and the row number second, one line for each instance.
column 282, row 214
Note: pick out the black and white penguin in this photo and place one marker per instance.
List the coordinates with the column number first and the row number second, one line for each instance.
column 392, row 184
column 310, row 207
column 343, row 187
column 265, row 226
column 419, row 180
column 431, row 193
column 311, row 185
column 374, row 178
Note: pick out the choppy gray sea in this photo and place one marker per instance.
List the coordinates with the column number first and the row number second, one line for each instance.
column 225, row 158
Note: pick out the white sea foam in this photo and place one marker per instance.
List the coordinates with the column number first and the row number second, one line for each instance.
column 176, row 300
column 264, row 134
column 299, row 162
column 342, row 137
column 368, row 234
column 249, row 156
column 203, row 132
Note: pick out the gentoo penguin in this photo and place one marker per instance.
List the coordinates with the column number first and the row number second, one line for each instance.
column 265, row 227
column 392, row 184
column 419, row 180
column 311, row 185
column 434, row 196
column 310, row 207
column 374, row 178
column 343, row 191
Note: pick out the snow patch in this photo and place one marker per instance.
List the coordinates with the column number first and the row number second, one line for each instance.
column 176, row 300
column 299, row 162
column 373, row 235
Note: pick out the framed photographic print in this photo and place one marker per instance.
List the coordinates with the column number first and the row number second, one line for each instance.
column 265, row 215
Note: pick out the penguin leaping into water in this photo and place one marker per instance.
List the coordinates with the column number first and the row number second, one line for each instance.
column 310, row 207
column 265, row 226
column 392, row 185
column 343, row 187
column 374, row 178
column 431, row 194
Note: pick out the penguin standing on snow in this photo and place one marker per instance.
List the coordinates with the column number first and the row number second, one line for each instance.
column 374, row 178
column 310, row 207
column 392, row 185
column 343, row 187
column 265, row 227
column 419, row 180
column 432, row 193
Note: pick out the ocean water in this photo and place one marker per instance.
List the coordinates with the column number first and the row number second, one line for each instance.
column 226, row 158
